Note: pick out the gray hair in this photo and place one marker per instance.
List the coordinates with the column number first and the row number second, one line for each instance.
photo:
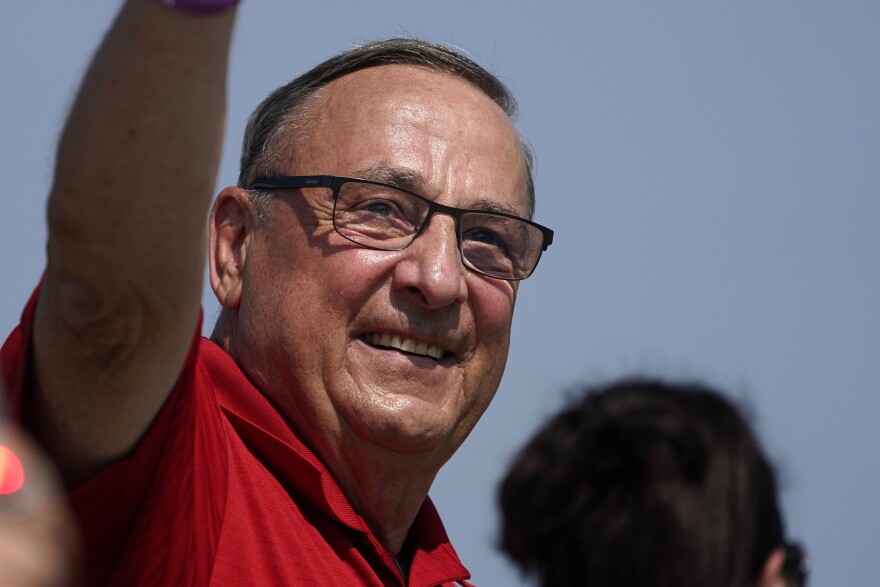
column 283, row 117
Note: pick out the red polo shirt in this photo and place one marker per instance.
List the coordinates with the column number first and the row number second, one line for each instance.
column 221, row 491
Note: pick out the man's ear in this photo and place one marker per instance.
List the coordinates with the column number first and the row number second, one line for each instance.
column 771, row 575
column 230, row 228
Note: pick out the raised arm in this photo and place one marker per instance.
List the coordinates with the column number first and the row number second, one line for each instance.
column 135, row 173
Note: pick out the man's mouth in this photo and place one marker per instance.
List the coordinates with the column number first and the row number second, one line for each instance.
column 407, row 345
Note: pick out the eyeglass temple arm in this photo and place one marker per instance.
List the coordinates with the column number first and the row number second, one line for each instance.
column 293, row 182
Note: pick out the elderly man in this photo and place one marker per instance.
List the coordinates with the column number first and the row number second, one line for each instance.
column 367, row 266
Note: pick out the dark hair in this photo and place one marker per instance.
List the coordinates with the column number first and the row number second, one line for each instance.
column 285, row 109
column 641, row 483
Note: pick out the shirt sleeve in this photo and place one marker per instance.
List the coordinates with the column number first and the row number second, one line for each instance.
column 139, row 514
column 14, row 358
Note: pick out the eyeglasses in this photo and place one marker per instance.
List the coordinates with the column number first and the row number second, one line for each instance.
column 796, row 567
column 387, row 218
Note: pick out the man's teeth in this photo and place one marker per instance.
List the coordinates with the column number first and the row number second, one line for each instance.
column 406, row 345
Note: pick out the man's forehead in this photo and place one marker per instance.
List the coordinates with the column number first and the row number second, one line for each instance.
column 376, row 124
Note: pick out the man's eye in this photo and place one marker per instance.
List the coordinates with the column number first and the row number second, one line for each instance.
column 485, row 236
column 379, row 208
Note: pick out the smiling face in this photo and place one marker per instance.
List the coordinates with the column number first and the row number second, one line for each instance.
column 404, row 349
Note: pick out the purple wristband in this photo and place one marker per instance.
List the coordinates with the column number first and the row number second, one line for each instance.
column 198, row 6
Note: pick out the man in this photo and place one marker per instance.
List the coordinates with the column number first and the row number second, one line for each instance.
column 367, row 267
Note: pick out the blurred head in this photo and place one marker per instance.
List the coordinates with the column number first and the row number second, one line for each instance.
column 644, row 483
column 39, row 544
column 361, row 348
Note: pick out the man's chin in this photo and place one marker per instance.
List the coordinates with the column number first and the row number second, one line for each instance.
column 407, row 434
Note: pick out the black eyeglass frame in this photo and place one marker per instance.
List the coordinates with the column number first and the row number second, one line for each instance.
column 335, row 182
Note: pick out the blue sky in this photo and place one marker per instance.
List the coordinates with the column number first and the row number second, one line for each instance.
column 712, row 175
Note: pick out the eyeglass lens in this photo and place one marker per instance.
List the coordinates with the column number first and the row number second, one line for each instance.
column 383, row 217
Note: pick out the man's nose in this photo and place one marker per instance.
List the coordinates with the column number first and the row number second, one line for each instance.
column 431, row 269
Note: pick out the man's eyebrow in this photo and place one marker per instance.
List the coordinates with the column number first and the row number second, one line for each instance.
column 486, row 205
column 400, row 177
column 411, row 180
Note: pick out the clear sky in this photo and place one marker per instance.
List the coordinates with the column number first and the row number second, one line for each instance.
column 712, row 172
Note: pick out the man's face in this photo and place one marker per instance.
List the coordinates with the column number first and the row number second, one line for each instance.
column 335, row 333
